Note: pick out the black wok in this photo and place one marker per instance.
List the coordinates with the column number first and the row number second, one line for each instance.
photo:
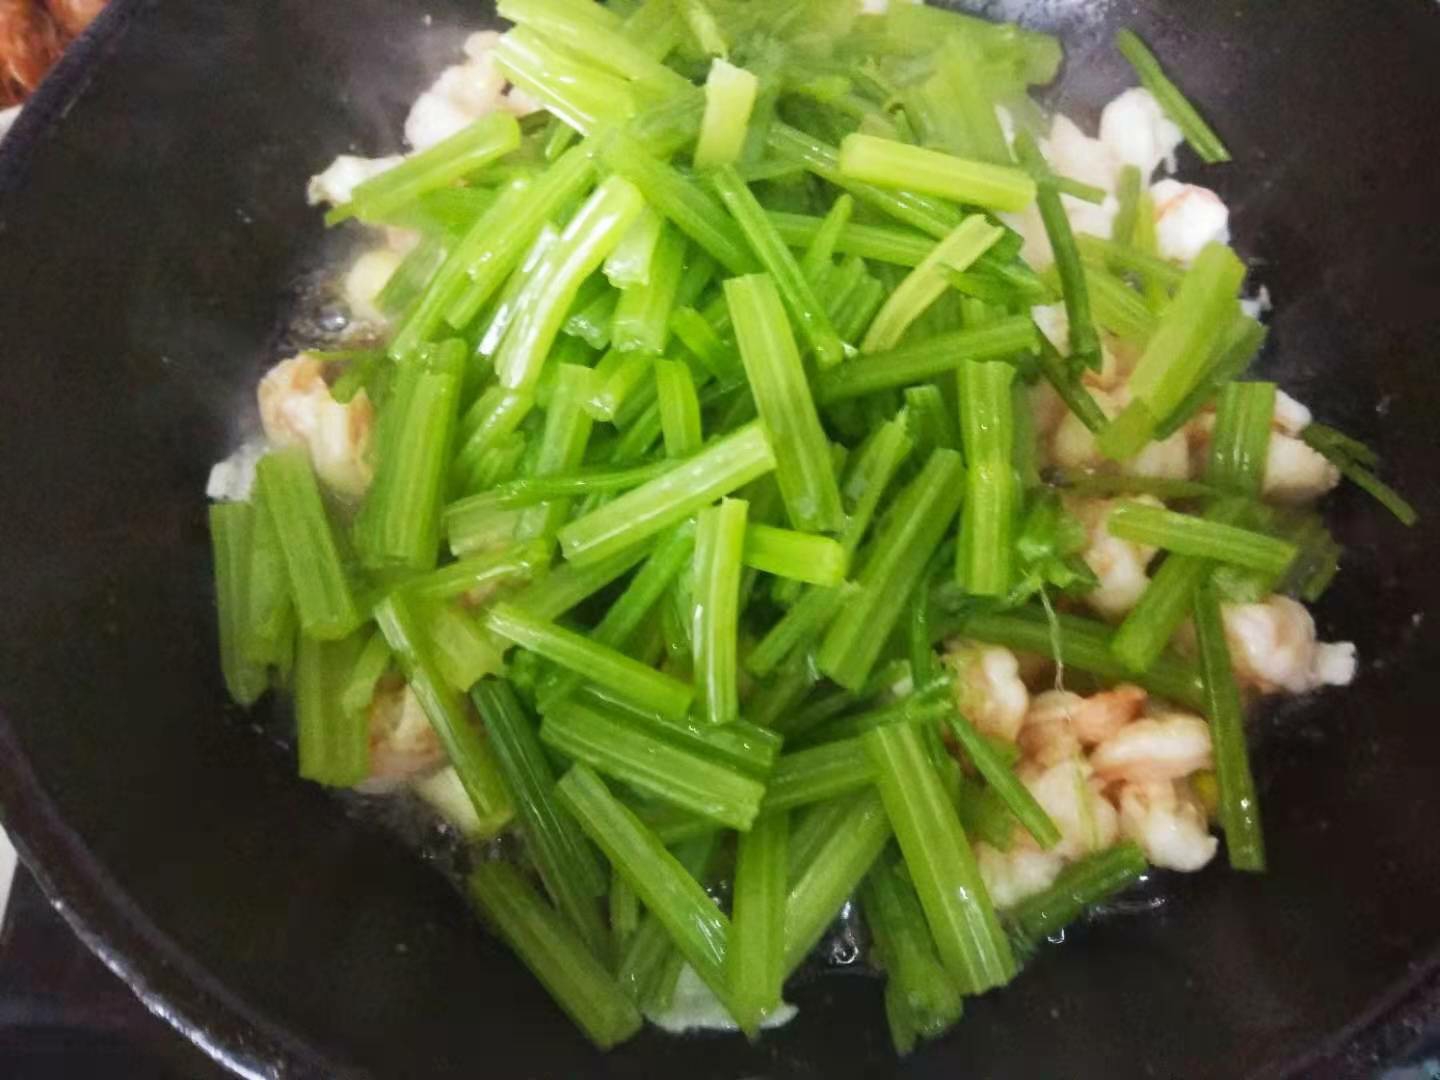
column 154, row 229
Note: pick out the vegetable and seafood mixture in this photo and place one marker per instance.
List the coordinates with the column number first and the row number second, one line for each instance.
column 784, row 473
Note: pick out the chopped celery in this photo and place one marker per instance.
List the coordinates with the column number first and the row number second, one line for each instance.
column 1192, row 125
column 890, row 164
column 232, row 526
column 719, row 544
column 729, row 98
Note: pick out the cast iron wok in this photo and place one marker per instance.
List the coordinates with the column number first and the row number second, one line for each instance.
column 153, row 229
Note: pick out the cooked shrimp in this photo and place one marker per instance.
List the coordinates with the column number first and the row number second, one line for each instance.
column 403, row 744
column 1099, row 716
column 988, row 687
column 1013, row 876
column 367, row 277
column 1074, row 446
column 1187, row 217
column 73, row 16
column 1166, row 747
column 337, row 184
column 1119, row 565
column 1136, row 131
column 460, row 96
column 1086, row 820
column 1165, row 819
column 1047, row 738
column 1048, row 408
column 1291, row 417
column 1296, row 473
column 29, row 44
column 1273, row 647
column 297, row 410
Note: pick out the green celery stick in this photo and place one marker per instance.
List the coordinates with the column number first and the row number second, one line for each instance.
column 232, row 525
column 894, row 165
column 757, row 930
column 719, row 543
column 820, row 773
column 1192, row 125
column 729, row 99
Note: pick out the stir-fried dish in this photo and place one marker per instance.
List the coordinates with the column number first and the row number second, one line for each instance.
column 782, row 473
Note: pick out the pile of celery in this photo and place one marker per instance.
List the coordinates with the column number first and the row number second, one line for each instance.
column 702, row 422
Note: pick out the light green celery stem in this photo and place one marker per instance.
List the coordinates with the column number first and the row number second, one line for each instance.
column 683, row 202
column 319, row 583
column 1240, row 445
column 567, row 585
column 930, row 705
column 1114, row 305
column 464, row 653
column 1163, row 606
column 1080, row 886
column 562, row 448
column 729, row 99
column 757, row 928
column 780, row 694
column 930, row 420
column 470, row 149
column 719, row 544
column 1004, row 782
column 985, row 555
column 816, row 560
column 232, row 527
column 573, row 975
column 446, row 212
column 594, row 33
column 532, row 490
column 961, row 75
column 625, row 616
column 628, row 678
column 1035, row 56
column 483, row 574
column 890, row 164
column 821, row 248
column 591, row 235
column 413, row 276
column 921, row 999
column 782, row 396
column 1354, row 461
column 487, row 528
column 1085, row 645
column 509, row 231
column 585, row 96
column 465, row 745
column 942, row 867
column 648, row 763
column 494, row 417
column 399, row 524
column 679, row 408
column 629, row 264
column 1175, row 360
column 1077, row 189
column 918, row 519
column 1192, row 125
column 655, row 26
column 814, row 775
column 1231, row 355
column 1097, row 251
column 875, row 465
column 704, row 27
column 591, row 322
column 926, row 283
column 616, row 377
column 1068, row 385
column 535, row 267
column 814, row 826
column 801, row 301
column 718, row 470
column 798, row 628
column 650, row 957
column 642, row 317
column 838, row 863
column 427, row 318
column 1239, row 804
column 861, row 308
column 568, row 865
column 716, row 356
column 1108, row 484
column 373, row 661
column 898, row 247
column 697, row 926
column 838, row 285
column 1122, row 230
column 930, row 215
column 1186, row 534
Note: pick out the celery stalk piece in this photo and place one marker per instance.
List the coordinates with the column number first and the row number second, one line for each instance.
column 642, row 317
column 838, row 861
column 1231, row 355
column 1189, row 535
column 704, row 27
column 583, row 95
column 968, row 937
column 729, row 99
column 679, row 408
column 535, row 266
column 650, row 961
column 232, row 526
column 399, row 523
column 890, row 164
column 882, row 243
column 371, row 664
column 681, row 201
column 319, row 583
column 1355, row 461
column 820, row 251
column 269, row 611
column 551, row 949
column 1003, row 781
column 797, row 629
column 985, row 555
column 756, row 960
column 465, row 744
column 589, row 237
column 1071, row 389
column 1081, row 885
column 918, row 519
column 1085, row 645
column 630, row 262
column 816, row 560
column 510, row 228
column 562, row 448
column 585, row 29
column 483, row 573
column 719, row 544
column 816, row 774
column 568, row 865
column 465, row 152
column 782, row 395
column 1192, row 125
column 805, row 308
column 463, row 652
column 698, row 927
column 927, row 283
column 629, row 678
column 718, row 470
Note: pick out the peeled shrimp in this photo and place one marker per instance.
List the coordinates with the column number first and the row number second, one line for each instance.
column 337, row 184
column 1165, row 819
column 297, row 410
column 1118, row 565
column 1165, row 747
column 1273, row 647
column 1074, row 446
column 366, row 278
column 1296, row 473
column 1048, row 738
column 989, row 690
column 1016, row 875
column 1187, row 217
column 1086, row 820
column 1097, row 717
column 460, row 96
column 403, row 744
column 1136, row 131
